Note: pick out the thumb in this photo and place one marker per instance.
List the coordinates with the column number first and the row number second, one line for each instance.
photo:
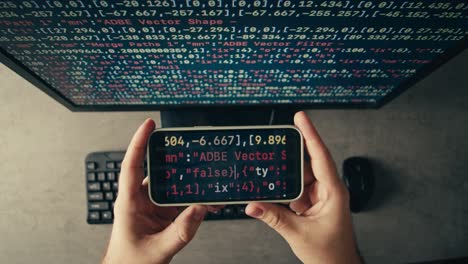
column 281, row 219
column 183, row 229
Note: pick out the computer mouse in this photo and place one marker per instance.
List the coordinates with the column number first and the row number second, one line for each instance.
column 358, row 177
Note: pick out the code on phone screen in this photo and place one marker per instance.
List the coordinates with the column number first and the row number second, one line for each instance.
column 229, row 165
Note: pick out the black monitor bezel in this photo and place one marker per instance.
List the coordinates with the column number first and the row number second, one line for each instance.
column 30, row 76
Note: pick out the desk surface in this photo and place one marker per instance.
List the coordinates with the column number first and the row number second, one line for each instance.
column 418, row 143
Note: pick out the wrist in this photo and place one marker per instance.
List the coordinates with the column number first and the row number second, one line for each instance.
column 128, row 253
column 344, row 251
column 348, row 255
column 336, row 258
column 110, row 258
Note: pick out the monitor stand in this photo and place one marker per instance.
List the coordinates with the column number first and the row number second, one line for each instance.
column 226, row 117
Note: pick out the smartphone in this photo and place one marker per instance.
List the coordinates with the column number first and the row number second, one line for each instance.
column 225, row 165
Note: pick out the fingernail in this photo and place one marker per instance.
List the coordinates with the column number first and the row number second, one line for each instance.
column 199, row 214
column 257, row 212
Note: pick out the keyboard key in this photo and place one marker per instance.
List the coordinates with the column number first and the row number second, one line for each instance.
column 109, row 196
column 107, row 215
column 241, row 210
column 228, row 211
column 101, row 176
column 94, row 186
column 91, row 176
column 91, row 165
column 115, row 186
column 93, row 215
column 106, row 186
column 110, row 165
column 100, row 206
column 119, row 164
column 95, row 196
column 111, row 176
column 216, row 213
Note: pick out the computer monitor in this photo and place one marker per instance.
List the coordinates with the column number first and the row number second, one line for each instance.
column 104, row 55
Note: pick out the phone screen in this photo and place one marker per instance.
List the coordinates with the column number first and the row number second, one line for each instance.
column 225, row 165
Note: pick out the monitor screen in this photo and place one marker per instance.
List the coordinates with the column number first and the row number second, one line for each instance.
column 170, row 53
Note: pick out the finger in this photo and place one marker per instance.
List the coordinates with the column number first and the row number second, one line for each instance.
column 145, row 181
column 183, row 229
column 313, row 195
column 321, row 162
column 136, row 150
column 308, row 175
column 166, row 213
column 303, row 203
column 215, row 208
column 281, row 219
column 132, row 173
column 148, row 207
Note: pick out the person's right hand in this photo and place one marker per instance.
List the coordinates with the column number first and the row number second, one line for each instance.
column 320, row 229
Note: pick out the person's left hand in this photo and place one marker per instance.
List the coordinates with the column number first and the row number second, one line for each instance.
column 142, row 231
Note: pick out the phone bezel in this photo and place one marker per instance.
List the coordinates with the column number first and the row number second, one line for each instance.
column 210, row 128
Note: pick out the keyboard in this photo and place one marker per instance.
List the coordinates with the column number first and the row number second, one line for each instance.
column 102, row 175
